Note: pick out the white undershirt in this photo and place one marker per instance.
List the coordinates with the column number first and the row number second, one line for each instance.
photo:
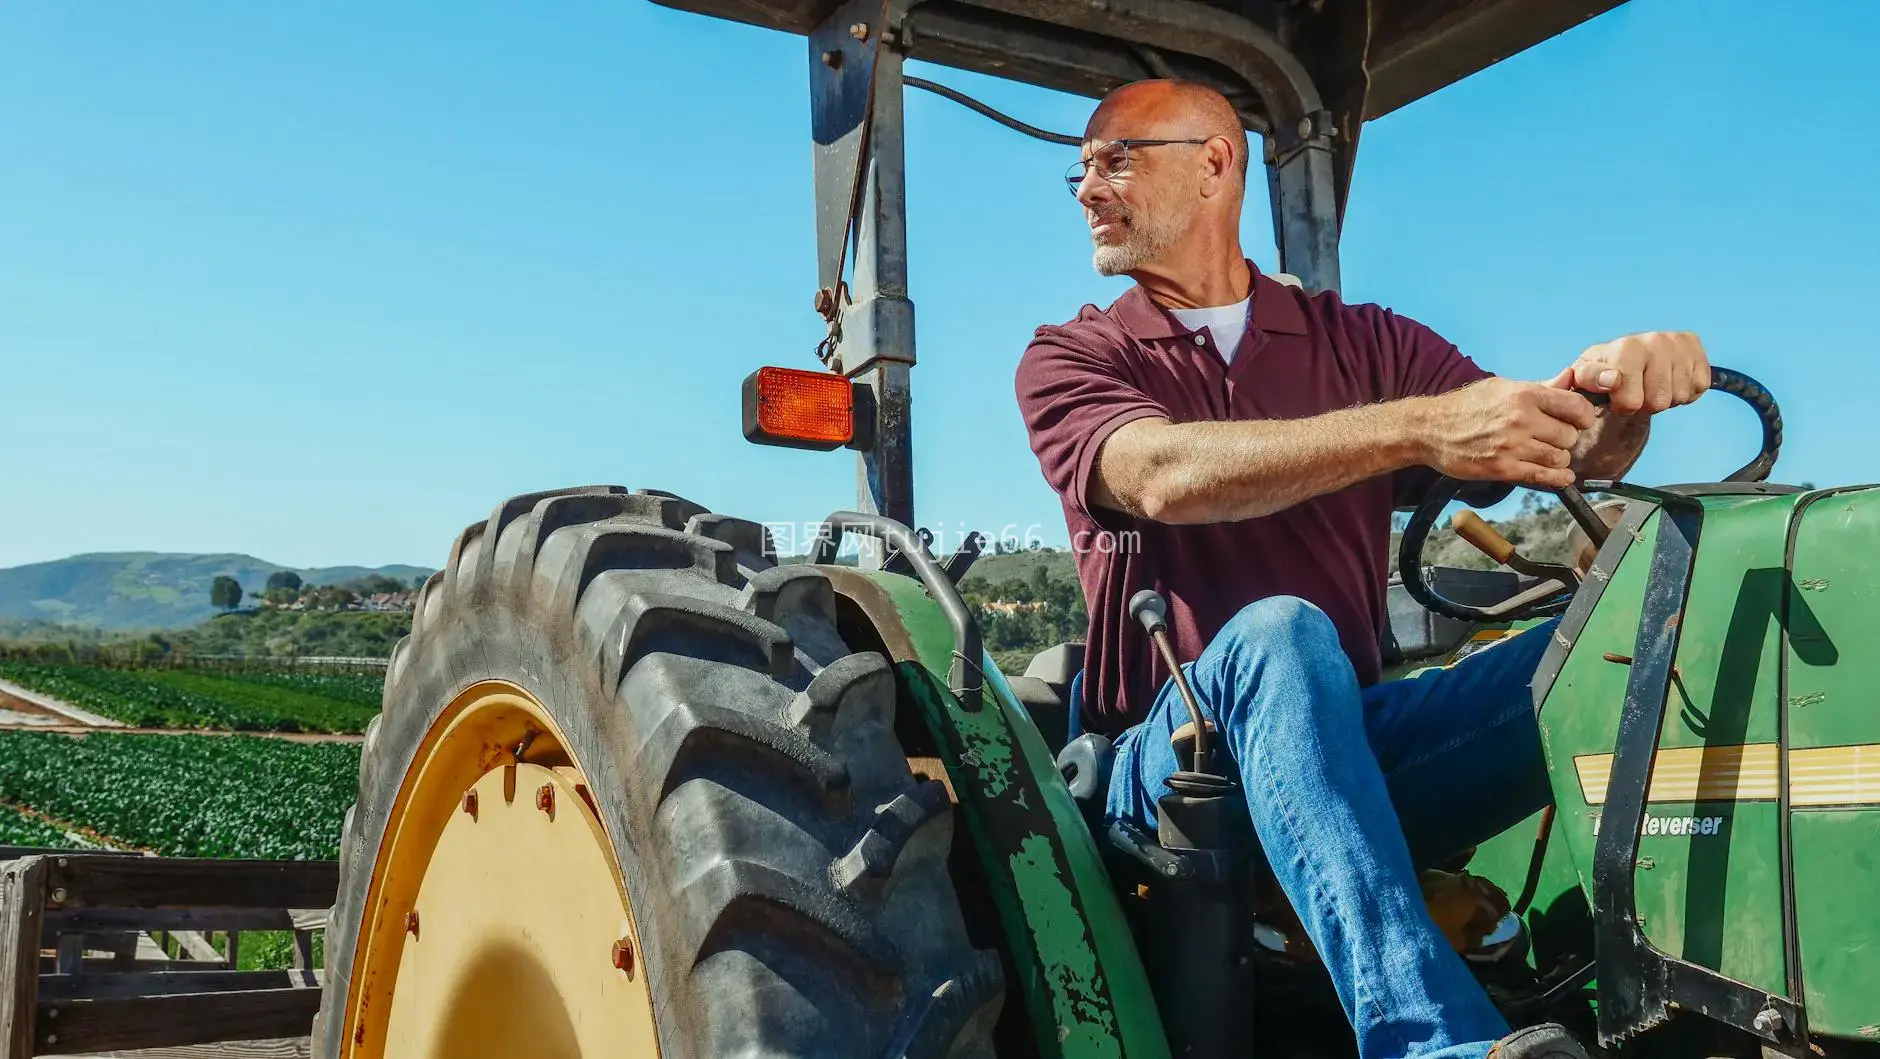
column 1226, row 323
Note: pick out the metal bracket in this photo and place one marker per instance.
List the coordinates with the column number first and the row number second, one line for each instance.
column 1638, row 983
column 1140, row 846
column 956, row 565
column 896, row 561
column 967, row 680
column 855, row 58
column 846, row 87
column 872, row 327
column 842, row 55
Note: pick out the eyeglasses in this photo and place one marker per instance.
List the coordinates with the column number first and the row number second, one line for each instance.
column 1110, row 160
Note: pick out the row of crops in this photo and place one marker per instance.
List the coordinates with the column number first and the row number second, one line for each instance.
column 181, row 698
column 181, row 795
column 22, row 829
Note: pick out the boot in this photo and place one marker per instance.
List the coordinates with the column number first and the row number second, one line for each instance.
column 1546, row 1041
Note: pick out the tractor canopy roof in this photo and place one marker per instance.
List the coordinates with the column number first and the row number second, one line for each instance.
column 1356, row 59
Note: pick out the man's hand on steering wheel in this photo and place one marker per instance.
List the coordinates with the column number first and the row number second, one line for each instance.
column 1536, row 434
column 1646, row 372
column 1500, row 430
column 1551, row 593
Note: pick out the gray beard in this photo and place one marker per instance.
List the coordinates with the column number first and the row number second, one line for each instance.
column 1145, row 236
column 1117, row 259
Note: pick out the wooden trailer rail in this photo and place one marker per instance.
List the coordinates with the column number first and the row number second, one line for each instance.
column 58, row 905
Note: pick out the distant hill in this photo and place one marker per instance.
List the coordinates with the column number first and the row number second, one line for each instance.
column 1017, row 566
column 148, row 590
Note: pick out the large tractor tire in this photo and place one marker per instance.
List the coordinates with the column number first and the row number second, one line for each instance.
column 632, row 795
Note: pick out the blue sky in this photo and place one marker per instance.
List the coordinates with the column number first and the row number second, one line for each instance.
column 322, row 286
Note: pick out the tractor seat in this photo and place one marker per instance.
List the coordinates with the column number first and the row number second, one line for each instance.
column 1048, row 692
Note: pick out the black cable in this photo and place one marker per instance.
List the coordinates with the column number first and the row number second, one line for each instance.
column 1006, row 120
column 1536, row 862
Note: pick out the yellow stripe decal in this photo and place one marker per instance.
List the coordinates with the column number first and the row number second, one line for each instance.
column 1818, row 776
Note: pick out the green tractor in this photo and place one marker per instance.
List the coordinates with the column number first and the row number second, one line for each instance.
column 641, row 788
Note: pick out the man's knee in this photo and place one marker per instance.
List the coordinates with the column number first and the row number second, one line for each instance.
column 1282, row 645
column 1280, row 625
column 1279, row 668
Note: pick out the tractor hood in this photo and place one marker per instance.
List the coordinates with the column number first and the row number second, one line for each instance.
column 1768, row 740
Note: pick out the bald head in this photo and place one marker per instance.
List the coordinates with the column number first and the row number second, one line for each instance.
column 1168, row 110
column 1165, row 170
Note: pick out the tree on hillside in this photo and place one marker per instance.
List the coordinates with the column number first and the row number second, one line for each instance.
column 329, row 597
column 225, row 592
column 373, row 584
column 265, row 632
column 284, row 579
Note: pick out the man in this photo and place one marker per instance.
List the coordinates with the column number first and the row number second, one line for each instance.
column 1243, row 444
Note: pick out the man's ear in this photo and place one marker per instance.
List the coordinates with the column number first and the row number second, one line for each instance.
column 1217, row 165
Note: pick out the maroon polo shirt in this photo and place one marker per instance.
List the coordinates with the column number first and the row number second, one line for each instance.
column 1302, row 355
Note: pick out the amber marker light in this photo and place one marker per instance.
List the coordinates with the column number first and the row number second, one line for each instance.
column 799, row 409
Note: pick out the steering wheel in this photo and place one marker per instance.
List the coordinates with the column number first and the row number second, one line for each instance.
column 1551, row 587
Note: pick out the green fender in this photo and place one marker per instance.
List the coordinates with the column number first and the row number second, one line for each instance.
column 1081, row 978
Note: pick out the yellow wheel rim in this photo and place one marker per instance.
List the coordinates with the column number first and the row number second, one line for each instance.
column 497, row 923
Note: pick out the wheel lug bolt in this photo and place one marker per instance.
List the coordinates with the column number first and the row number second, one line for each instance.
column 623, row 956
column 545, row 798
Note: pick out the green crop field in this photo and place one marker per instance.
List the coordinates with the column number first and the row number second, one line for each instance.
column 18, row 829
column 353, row 689
column 187, row 795
column 183, row 698
column 183, row 795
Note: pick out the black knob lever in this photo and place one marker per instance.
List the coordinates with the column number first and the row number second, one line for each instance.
column 1149, row 608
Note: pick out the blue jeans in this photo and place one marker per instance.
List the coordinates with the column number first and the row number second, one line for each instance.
column 1352, row 789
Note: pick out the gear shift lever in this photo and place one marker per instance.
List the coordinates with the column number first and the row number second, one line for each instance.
column 1202, row 898
column 1149, row 608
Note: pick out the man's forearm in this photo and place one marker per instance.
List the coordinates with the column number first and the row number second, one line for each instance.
column 1226, row 471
